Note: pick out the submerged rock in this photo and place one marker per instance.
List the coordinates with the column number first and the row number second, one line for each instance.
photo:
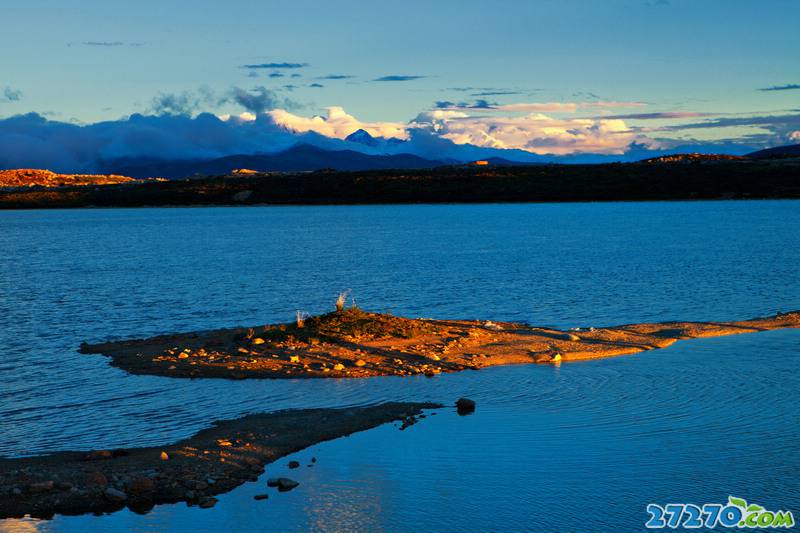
column 294, row 464
column 282, row 483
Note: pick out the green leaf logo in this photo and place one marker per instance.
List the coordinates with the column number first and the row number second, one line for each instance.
column 739, row 502
column 753, row 507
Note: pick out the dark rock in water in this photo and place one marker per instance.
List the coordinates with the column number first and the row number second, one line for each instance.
column 293, row 464
column 465, row 406
column 96, row 478
column 261, row 496
column 313, row 459
column 283, row 483
column 207, row 502
column 115, row 495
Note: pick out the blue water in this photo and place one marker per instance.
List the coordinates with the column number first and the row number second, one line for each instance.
column 581, row 447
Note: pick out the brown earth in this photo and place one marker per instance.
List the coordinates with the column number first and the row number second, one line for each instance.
column 354, row 343
column 213, row 461
column 29, row 177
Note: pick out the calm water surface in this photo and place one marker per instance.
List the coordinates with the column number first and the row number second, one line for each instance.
column 580, row 447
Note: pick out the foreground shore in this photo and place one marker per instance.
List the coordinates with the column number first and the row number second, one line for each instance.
column 353, row 343
column 213, row 461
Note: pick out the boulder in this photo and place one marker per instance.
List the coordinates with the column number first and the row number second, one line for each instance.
column 294, row 464
column 115, row 495
column 465, row 406
column 207, row 502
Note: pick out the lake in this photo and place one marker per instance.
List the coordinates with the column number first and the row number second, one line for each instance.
column 583, row 446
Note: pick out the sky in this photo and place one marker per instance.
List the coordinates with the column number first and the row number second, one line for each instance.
column 546, row 77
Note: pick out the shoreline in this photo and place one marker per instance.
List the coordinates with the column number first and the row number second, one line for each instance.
column 213, row 461
column 356, row 344
column 757, row 179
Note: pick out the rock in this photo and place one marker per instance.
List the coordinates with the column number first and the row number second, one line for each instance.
column 63, row 485
column 360, row 362
column 141, row 486
column 211, row 481
column 96, row 478
column 294, row 358
column 570, row 337
column 435, row 357
column 338, row 366
column 286, row 484
column 465, row 406
column 195, row 485
column 42, row 486
column 283, row 483
column 294, row 464
column 258, row 340
column 313, row 459
column 207, row 502
column 189, row 495
column 555, row 358
column 98, row 454
column 261, row 496
column 115, row 495
column 164, row 456
column 15, row 491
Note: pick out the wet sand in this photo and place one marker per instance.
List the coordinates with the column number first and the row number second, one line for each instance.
column 354, row 344
column 213, row 461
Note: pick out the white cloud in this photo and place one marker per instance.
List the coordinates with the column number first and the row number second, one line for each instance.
column 534, row 132
column 336, row 123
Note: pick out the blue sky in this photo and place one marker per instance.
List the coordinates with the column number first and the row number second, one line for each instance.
column 705, row 59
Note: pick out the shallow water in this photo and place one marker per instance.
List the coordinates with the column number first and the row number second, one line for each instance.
column 583, row 446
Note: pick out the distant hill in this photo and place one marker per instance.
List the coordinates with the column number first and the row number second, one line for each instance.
column 30, row 177
column 301, row 157
column 779, row 152
column 692, row 158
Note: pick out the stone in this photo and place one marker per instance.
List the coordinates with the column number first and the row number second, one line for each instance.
column 42, row 486
column 294, row 464
column 115, row 495
column 141, row 486
column 570, row 337
column 207, row 502
column 98, row 454
column 360, row 362
column 294, row 358
column 555, row 358
column 282, row 483
column 338, row 366
column 465, row 406
column 96, row 478
column 258, row 340
column 164, row 456
column 261, row 496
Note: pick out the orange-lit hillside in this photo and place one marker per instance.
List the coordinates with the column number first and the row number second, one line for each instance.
column 28, row 177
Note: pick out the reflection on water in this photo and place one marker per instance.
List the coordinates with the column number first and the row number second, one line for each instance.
column 583, row 446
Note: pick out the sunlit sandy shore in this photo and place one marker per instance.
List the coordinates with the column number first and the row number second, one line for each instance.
column 352, row 343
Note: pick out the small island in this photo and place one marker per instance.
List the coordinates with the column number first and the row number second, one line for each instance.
column 352, row 343
column 214, row 461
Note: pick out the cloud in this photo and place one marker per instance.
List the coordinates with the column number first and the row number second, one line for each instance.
column 661, row 115
column 9, row 94
column 296, row 75
column 275, row 65
column 336, row 123
column 534, row 132
column 536, row 107
column 259, row 99
column 397, row 77
column 108, row 44
column 336, row 77
column 316, row 85
column 495, row 93
column 276, row 75
column 788, row 87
